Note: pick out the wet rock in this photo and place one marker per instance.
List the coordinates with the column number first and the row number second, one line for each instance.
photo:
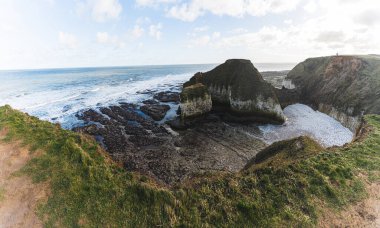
column 91, row 129
column 128, row 106
column 144, row 146
column 66, row 108
column 177, row 124
column 148, row 91
column 156, row 111
column 151, row 102
column 167, row 96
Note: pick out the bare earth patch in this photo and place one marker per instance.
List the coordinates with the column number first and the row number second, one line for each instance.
column 364, row 214
column 18, row 195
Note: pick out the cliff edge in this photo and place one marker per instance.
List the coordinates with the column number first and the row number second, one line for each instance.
column 345, row 87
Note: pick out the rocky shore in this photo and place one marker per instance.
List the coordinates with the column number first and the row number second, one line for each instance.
column 216, row 125
column 142, row 144
column 204, row 137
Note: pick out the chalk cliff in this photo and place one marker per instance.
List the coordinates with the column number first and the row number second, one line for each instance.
column 238, row 86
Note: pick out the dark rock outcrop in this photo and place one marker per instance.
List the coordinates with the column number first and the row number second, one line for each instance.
column 344, row 87
column 167, row 96
column 150, row 102
column 141, row 144
column 287, row 97
column 239, row 87
column 195, row 101
column 156, row 111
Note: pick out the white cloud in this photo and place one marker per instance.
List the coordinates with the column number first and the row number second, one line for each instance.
column 238, row 31
column 155, row 31
column 68, row 40
column 264, row 37
column 330, row 37
column 143, row 20
column 102, row 37
column 311, row 6
column 215, row 35
column 106, row 39
column 200, row 41
column 106, row 9
column 352, row 30
column 101, row 10
column 235, row 8
column 153, row 3
column 204, row 40
column 137, row 32
column 368, row 17
column 201, row 29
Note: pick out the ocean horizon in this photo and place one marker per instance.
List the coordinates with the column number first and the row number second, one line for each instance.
column 264, row 66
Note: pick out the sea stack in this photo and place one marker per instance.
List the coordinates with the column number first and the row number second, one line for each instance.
column 237, row 86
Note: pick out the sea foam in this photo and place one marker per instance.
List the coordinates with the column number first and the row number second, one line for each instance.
column 303, row 120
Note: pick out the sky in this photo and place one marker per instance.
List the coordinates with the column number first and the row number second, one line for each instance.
column 89, row 33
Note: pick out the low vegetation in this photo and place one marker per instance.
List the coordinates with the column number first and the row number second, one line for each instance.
column 2, row 192
column 88, row 189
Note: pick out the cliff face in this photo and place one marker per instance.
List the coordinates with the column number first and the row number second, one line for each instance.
column 345, row 87
column 238, row 85
column 195, row 101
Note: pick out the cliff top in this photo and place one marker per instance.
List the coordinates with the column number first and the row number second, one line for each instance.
column 192, row 92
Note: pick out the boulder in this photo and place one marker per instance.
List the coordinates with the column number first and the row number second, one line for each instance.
column 195, row 101
column 238, row 86
column 156, row 111
column 167, row 96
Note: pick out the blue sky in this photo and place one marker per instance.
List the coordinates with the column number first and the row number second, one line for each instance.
column 75, row 33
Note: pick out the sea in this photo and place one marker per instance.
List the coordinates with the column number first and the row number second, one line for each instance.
column 57, row 95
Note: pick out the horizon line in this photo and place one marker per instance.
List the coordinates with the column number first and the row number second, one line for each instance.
column 121, row 66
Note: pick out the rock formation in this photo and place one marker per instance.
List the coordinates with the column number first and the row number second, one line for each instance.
column 156, row 111
column 344, row 87
column 238, row 86
column 143, row 145
column 195, row 101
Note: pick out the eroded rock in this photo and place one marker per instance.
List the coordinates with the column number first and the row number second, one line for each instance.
column 195, row 101
column 344, row 87
column 238, row 86
column 167, row 96
column 156, row 111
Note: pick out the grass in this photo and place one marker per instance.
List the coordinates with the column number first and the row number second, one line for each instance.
column 89, row 190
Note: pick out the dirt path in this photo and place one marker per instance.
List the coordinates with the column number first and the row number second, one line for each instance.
column 18, row 195
column 363, row 214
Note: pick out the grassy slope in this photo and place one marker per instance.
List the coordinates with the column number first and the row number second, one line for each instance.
column 89, row 190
